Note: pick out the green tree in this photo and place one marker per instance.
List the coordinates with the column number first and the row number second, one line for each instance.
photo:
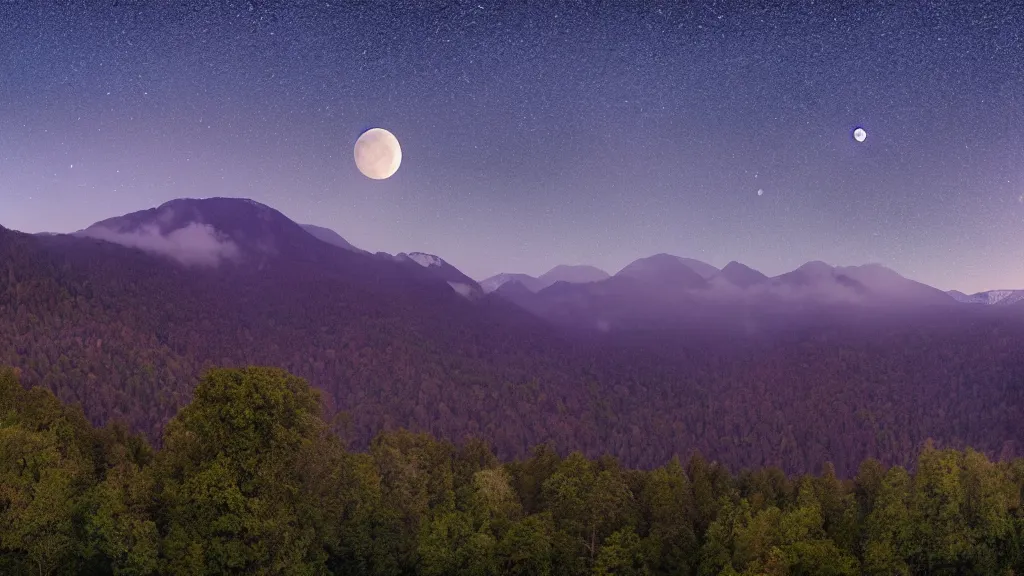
column 527, row 548
column 775, row 541
column 232, row 499
column 805, row 541
column 493, row 502
column 528, row 476
column 667, row 505
column 710, row 483
column 621, row 555
column 838, row 508
column 45, row 473
column 1013, row 546
column 888, row 527
column 940, row 534
column 449, row 544
column 988, row 500
column 417, row 485
column 120, row 525
column 587, row 505
column 866, row 486
column 717, row 549
column 465, row 541
column 367, row 531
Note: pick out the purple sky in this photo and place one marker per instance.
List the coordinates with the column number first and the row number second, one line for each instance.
column 539, row 133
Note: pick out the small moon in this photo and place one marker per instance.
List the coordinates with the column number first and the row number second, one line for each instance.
column 378, row 154
column 860, row 135
column 760, row 192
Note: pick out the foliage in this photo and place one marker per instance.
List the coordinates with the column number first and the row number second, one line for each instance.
column 230, row 480
column 250, row 480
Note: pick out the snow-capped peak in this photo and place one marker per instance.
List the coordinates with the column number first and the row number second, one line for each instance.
column 425, row 260
column 994, row 297
column 1004, row 296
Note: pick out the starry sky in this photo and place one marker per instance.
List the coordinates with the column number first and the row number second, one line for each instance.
column 537, row 133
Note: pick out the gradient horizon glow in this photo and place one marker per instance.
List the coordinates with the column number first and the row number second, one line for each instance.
column 541, row 133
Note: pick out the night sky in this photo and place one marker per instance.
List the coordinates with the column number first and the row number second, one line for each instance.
column 540, row 133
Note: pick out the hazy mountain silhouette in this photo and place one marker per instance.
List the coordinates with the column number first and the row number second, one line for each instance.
column 870, row 284
column 664, row 269
column 888, row 285
column 495, row 282
column 574, row 274
column 578, row 274
column 741, row 276
column 705, row 270
column 650, row 291
column 663, row 290
column 515, row 292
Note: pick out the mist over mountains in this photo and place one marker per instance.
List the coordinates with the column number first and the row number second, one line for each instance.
column 575, row 274
column 200, row 233
column 666, row 356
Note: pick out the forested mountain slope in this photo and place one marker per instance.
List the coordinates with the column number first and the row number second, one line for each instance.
column 126, row 334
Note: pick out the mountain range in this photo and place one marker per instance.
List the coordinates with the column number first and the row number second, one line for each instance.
column 199, row 232
column 666, row 356
column 576, row 274
column 996, row 297
column 669, row 289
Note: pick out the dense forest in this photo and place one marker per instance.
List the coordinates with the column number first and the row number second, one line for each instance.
column 126, row 335
column 251, row 479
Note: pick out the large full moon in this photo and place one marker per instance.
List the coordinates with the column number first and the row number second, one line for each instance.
column 860, row 134
column 378, row 154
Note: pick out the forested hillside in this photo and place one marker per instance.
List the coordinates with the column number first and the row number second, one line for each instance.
column 251, row 480
column 126, row 335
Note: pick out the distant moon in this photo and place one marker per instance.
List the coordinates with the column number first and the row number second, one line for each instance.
column 760, row 192
column 860, row 135
column 378, row 154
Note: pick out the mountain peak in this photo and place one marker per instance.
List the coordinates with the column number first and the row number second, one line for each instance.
column 495, row 282
column 178, row 202
column 816, row 267
column 734, row 265
column 435, row 267
column 665, row 269
column 513, row 287
column 207, row 231
column 702, row 269
column 991, row 297
column 741, row 275
column 705, row 270
column 426, row 260
column 575, row 274
column 569, row 273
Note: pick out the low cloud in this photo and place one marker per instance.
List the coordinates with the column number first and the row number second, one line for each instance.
column 828, row 291
column 193, row 245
